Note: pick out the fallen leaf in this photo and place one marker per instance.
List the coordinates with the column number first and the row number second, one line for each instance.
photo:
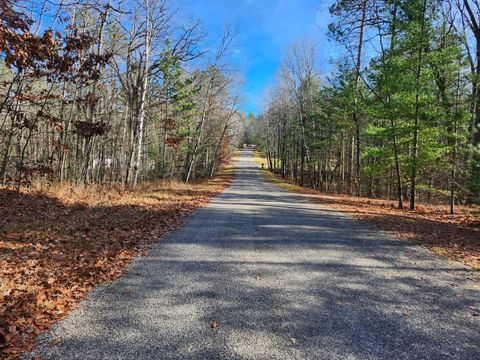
column 214, row 324
column 55, row 342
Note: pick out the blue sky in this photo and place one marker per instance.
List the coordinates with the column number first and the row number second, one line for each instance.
column 264, row 30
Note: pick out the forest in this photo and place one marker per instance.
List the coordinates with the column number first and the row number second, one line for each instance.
column 112, row 92
column 116, row 121
column 398, row 117
column 346, row 197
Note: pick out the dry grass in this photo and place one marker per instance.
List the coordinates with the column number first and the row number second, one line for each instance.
column 454, row 236
column 57, row 242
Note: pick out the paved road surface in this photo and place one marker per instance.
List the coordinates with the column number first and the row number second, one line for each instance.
column 285, row 279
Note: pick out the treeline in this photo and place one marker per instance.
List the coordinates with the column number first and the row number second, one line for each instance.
column 111, row 91
column 399, row 117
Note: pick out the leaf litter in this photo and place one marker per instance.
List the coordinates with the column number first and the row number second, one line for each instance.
column 57, row 243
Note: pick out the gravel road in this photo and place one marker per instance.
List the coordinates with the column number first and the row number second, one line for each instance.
column 281, row 278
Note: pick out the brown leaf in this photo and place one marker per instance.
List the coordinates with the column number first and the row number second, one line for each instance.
column 54, row 342
column 214, row 324
column 3, row 340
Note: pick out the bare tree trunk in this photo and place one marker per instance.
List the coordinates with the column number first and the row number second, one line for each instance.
column 205, row 111
column 413, row 182
column 475, row 27
column 143, row 96
column 355, row 116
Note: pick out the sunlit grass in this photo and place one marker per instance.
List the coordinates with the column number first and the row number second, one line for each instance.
column 262, row 163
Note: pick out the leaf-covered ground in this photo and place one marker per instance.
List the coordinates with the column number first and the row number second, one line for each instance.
column 455, row 236
column 57, row 243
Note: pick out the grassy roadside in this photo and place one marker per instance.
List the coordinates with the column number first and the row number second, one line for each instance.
column 262, row 162
column 454, row 236
column 57, row 243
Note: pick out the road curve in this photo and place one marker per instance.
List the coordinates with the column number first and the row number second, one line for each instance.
column 281, row 278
